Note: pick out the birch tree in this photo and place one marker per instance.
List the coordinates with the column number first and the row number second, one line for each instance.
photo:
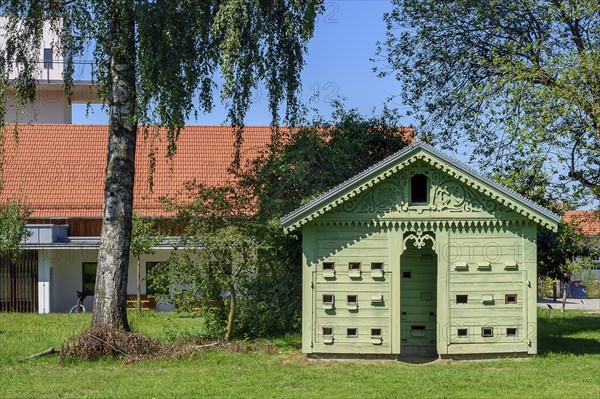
column 157, row 63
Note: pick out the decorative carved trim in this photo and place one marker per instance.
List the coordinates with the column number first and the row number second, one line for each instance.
column 455, row 197
column 419, row 238
column 503, row 200
column 382, row 198
column 426, row 225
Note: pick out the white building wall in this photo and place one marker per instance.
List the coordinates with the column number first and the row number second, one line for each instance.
column 66, row 277
column 51, row 106
column 49, row 41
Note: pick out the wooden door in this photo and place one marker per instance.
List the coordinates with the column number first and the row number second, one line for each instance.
column 418, row 289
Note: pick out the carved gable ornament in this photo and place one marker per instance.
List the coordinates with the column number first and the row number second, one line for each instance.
column 452, row 194
column 446, row 194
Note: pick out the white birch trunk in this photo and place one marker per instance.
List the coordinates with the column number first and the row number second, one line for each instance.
column 113, row 255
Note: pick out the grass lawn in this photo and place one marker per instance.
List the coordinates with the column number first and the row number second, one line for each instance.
column 569, row 366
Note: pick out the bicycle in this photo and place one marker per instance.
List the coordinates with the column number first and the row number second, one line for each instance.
column 79, row 308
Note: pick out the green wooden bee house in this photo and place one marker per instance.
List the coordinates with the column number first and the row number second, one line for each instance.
column 419, row 254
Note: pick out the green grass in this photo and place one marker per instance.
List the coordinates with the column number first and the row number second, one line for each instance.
column 569, row 365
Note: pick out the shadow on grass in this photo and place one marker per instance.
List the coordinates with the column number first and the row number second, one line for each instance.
column 571, row 332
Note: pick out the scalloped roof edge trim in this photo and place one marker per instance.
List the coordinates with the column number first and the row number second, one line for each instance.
column 372, row 175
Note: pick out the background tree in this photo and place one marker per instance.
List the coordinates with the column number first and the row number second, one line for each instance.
column 510, row 77
column 567, row 250
column 144, row 237
column 154, row 60
column 13, row 217
column 314, row 159
column 224, row 248
column 239, row 270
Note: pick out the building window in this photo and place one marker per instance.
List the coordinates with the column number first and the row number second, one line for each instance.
column 418, row 189
column 510, row 298
column 48, row 59
column 406, row 274
column 352, row 299
column 327, row 299
column 375, row 332
column 511, row 332
column 354, row 270
column 487, row 332
column 353, row 266
column 151, row 286
column 352, row 332
column 328, row 266
column 462, row 332
column 327, row 331
column 376, row 266
column 462, row 299
column 89, row 277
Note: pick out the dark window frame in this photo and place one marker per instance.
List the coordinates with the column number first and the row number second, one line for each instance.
column 328, row 265
column 48, row 58
column 419, row 189
column 352, row 332
column 353, row 266
column 88, row 280
column 376, row 265
column 487, row 332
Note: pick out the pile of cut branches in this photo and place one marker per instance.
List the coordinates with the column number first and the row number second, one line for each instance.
column 98, row 342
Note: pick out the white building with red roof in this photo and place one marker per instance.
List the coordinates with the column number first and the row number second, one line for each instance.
column 57, row 169
column 58, row 172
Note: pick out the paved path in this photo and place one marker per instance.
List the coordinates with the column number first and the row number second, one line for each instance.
column 572, row 303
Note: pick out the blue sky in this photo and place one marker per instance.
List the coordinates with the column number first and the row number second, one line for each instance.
column 338, row 65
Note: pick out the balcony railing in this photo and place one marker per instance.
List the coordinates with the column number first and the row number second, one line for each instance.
column 51, row 71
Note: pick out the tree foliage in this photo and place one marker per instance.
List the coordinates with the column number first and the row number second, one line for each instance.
column 156, row 63
column 144, row 237
column 180, row 45
column 236, row 254
column 316, row 158
column 13, row 217
column 567, row 249
column 515, row 78
column 229, row 270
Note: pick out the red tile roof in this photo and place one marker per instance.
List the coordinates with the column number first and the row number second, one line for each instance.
column 59, row 169
column 588, row 221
